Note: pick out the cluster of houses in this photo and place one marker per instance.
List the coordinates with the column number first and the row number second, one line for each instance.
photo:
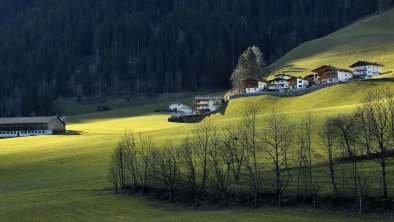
column 323, row 75
column 201, row 105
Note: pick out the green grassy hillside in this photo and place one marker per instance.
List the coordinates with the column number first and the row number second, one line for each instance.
column 64, row 178
column 369, row 39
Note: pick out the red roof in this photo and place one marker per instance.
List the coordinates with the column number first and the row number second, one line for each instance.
column 254, row 79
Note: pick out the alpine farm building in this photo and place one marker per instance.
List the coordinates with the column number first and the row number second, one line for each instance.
column 31, row 126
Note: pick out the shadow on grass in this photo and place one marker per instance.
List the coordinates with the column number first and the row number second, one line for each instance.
column 222, row 110
column 71, row 133
column 289, row 69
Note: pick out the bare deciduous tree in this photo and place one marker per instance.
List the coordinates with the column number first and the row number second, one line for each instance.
column 145, row 161
column 236, row 155
column 204, row 134
column 364, row 134
column 166, row 168
column 377, row 107
column 120, row 164
column 190, row 172
column 249, row 135
column 220, row 178
column 327, row 138
column 345, row 128
column 129, row 143
column 307, row 155
column 277, row 140
column 363, row 185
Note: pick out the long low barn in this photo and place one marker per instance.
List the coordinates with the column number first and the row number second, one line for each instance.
column 31, row 126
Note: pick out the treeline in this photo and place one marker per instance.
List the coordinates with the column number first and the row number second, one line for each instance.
column 350, row 155
column 13, row 8
column 93, row 48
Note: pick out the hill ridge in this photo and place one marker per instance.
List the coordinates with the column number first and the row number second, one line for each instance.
column 367, row 39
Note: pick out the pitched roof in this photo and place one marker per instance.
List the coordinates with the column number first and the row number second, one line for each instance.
column 29, row 120
column 208, row 98
column 284, row 76
column 177, row 102
column 364, row 63
column 279, row 78
column 255, row 79
column 251, row 78
column 327, row 67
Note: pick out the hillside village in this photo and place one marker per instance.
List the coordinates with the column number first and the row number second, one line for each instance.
column 281, row 83
column 322, row 75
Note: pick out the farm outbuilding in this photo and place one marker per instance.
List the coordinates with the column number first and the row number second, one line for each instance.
column 31, row 126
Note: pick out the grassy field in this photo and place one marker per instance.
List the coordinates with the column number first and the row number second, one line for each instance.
column 64, row 178
column 69, row 106
column 369, row 39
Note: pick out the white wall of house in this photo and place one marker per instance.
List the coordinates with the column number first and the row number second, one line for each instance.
column 211, row 103
column 215, row 105
column 344, row 76
column 179, row 107
column 330, row 80
column 10, row 134
column 253, row 90
column 175, row 106
column 368, row 71
column 279, row 85
column 261, row 87
column 187, row 110
column 301, row 83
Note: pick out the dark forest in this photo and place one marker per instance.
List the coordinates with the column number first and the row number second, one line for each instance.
column 93, row 48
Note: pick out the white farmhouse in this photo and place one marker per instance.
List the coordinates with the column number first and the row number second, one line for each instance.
column 179, row 107
column 280, row 83
column 298, row 83
column 254, row 85
column 208, row 103
column 367, row 70
column 330, row 74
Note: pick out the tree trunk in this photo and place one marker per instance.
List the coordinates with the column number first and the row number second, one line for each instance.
column 196, row 202
column 383, row 165
column 255, row 199
column 279, row 200
column 171, row 197
column 314, row 202
column 237, row 190
column 361, row 203
column 332, row 175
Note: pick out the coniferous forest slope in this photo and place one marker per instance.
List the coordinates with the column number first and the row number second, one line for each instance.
column 369, row 39
column 51, row 49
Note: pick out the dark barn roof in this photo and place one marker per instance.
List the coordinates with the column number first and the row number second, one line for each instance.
column 177, row 102
column 329, row 68
column 364, row 63
column 251, row 78
column 29, row 120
